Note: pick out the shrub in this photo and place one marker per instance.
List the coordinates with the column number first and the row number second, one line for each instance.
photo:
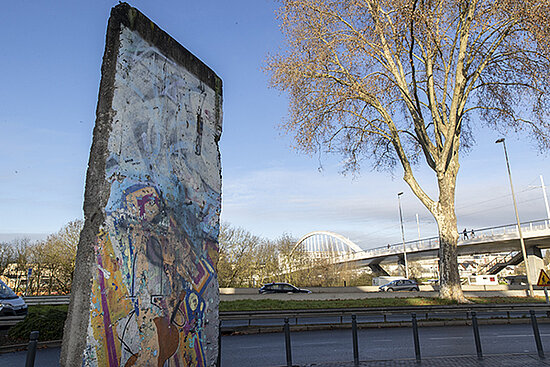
column 48, row 320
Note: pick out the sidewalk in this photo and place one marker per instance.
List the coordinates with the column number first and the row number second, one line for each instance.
column 510, row 360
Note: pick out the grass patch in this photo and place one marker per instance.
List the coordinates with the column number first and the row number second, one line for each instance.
column 507, row 300
column 48, row 320
column 272, row 304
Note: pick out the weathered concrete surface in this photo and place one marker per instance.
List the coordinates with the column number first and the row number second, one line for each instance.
column 145, row 289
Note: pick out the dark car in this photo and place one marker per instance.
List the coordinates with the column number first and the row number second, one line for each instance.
column 281, row 288
column 399, row 285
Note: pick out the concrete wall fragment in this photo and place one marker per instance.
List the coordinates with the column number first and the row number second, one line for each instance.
column 145, row 288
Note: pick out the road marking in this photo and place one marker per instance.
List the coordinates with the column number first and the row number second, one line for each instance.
column 448, row 337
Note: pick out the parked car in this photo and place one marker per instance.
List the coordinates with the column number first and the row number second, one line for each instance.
column 516, row 280
column 281, row 288
column 399, row 285
column 10, row 303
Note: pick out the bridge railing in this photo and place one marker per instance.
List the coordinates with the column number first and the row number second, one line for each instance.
column 433, row 242
column 535, row 225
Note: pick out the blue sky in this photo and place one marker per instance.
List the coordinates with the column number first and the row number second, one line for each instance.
column 50, row 78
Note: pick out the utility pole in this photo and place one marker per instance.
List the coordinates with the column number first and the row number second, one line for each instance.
column 418, row 226
column 403, row 235
column 522, row 243
column 545, row 198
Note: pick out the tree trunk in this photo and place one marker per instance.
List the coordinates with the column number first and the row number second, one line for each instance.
column 449, row 280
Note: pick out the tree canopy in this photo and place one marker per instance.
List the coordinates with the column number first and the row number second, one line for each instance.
column 403, row 81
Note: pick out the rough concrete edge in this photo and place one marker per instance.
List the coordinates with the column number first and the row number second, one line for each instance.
column 132, row 18
column 219, row 127
column 96, row 196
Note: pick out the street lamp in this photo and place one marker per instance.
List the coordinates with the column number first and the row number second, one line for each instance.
column 403, row 235
column 501, row 140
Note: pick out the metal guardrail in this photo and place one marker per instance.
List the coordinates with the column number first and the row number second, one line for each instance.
column 364, row 311
column 266, row 314
column 359, row 311
column 10, row 320
column 47, row 300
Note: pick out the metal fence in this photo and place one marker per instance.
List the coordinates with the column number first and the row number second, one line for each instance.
column 471, row 312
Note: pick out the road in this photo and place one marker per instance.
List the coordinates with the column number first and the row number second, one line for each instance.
column 366, row 292
column 335, row 345
column 377, row 344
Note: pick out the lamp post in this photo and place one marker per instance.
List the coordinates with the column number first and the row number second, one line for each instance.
column 501, row 140
column 545, row 200
column 418, row 226
column 403, row 235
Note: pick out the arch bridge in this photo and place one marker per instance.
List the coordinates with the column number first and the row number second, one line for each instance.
column 337, row 249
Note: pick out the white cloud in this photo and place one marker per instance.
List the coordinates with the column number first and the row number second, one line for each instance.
column 276, row 200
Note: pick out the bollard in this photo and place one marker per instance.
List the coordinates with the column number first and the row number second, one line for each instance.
column 355, row 343
column 287, row 344
column 415, row 336
column 476, row 336
column 31, row 351
column 537, row 334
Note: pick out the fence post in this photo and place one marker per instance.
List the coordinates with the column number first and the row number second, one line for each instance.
column 355, row 342
column 31, row 351
column 415, row 337
column 537, row 334
column 287, row 344
column 476, row 336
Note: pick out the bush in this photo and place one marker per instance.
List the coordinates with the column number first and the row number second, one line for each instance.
column 48, row 320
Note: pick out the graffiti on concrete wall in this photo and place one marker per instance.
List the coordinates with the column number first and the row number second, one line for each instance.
column 155, row 291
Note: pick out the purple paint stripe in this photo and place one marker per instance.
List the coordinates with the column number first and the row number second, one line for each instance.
column 198, row 351
column 110, row 341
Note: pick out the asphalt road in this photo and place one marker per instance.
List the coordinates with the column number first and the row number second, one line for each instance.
column 343, row 294
column 377, row 344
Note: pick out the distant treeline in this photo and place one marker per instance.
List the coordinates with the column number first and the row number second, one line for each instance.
column 245, row 260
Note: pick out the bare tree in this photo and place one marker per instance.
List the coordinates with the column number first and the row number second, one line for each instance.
column 402, row 81
column 53, row 260
column 236, row 256
column 60, row 253
column 6, row 256
column 21, row 259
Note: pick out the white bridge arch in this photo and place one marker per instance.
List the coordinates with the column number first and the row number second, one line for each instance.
column 325, row 244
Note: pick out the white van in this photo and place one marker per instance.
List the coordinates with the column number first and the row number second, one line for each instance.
column 10, row 303
column 483, row 280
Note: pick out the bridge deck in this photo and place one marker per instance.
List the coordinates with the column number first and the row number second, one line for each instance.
column 485, row 240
